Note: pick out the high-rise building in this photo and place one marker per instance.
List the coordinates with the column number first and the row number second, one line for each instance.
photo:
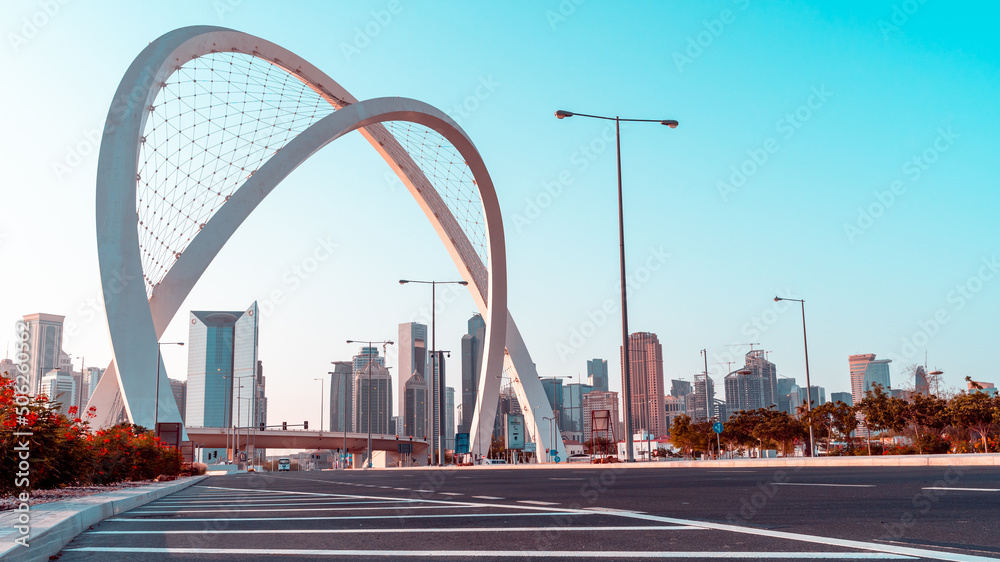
column 222, row 369
column 472, row 359
column 601, row 400
column 877, row 372
column 700, row 403
column 8, row 368
column 744, row 390
column 679, row 388
column 436, row 385
column 179, row 389
column 415, row 404
column 597, row 374
column 788, row 395
column 342, row 396
column 675, row 407
column 844, row 397
column 372, row 393
column 571, row 410
column 921, row 385
column 757, row 363
column 45, row 333
column 449, row 418
column 59, row 386
column 646, row 373
column 414, row 361
column 858, row 364
column 817, row 396
column 554, row 392
column 261, row 402
column 92, row 376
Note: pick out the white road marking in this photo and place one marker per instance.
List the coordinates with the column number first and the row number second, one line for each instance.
column 415, row 530
column 405, row 505
column 828, row 541
column 162, row 520
column 565, row 478
column 963, row 489
column 244, row 506
column 565, row 554
column 487, row 498
column 450, row 494
column 826, row 485
column 536, row 502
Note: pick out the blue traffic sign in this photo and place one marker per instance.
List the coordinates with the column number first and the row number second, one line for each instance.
column 555, row 458
column 717, row 427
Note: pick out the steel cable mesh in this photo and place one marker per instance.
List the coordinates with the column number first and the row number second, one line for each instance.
column 450, row 176
column 215, row 121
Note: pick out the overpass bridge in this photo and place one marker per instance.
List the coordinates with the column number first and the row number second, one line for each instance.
column 218, row 438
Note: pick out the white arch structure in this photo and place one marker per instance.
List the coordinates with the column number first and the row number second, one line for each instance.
column 139, row 309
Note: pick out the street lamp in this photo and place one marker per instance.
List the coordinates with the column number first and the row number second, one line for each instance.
column 626, row 383
column 321, row 387
column 437, row 386
column 156, row 405
column 369, row 368
column 805, row 344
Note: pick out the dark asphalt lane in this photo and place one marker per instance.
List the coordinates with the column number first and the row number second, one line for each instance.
column 610, row 511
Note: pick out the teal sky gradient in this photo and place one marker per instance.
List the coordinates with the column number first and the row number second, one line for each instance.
column 891, row 89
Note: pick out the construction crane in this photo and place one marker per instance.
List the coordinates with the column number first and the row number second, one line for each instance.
column 742, row 344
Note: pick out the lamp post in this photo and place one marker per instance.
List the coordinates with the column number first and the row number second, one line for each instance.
column 626, row 383
column 321, row 387
column 552, row 431
column 369, row 368
column 805, row 344
column 437, row 387
column 156, row 405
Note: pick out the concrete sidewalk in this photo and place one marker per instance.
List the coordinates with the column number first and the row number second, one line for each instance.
column 53, row 525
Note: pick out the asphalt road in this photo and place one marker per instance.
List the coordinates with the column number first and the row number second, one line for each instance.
column 608, row 512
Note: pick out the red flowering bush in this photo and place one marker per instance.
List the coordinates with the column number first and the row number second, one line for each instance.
column 46, row 449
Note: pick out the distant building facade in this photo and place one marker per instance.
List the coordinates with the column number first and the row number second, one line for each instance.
column 342, row 396
column 597, row 374
column 645, row 362
column 472, row 359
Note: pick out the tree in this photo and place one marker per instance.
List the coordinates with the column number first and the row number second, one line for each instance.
column 689, row 436
column 882, row 412
column 926, row 417
column 976, row 411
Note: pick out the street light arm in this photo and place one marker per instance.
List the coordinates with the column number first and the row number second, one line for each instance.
column 562, row 114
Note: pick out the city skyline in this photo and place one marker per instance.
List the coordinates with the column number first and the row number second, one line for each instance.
column 923, row 230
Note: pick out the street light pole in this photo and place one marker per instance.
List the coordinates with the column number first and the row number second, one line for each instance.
column 321, row 387
column 805, row 344
column 626, row 383
column 156, row 404
column 369, row 368
column 437, row 386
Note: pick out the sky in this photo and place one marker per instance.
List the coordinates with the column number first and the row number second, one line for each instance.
column 840, row 153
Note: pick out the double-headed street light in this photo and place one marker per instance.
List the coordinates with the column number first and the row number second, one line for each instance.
column 156, row 405
column 626, row 383
column 370, row 361
column 805, row 343
column 437, row 386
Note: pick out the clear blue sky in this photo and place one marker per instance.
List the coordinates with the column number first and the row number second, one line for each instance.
column 846, row 101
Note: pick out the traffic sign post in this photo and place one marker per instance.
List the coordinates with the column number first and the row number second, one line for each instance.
column 717, row 427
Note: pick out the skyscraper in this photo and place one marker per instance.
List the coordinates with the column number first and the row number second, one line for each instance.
column 45, row 333
column 866, row 371
column 744, row 390
column 571, row 410
column 414, row 359
column 60, row 386
column 844, row 397
column 222, row 369
column 646, row 370
column 179, row 389
column 472, row 359
column 597, row 374
column 921, row 385
column 342, row 396
column 372, row 392
column 414, row 405
column 858, row 364
column 700, row 404
column 554, row 392
column 756, row 362
column 449, row 418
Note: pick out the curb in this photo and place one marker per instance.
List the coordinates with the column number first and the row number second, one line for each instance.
column 55, row 524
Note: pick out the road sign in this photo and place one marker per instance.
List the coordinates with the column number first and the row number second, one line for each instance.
column 555, row 458
column 717, row 427
column 515, row 431
column 529, row 447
